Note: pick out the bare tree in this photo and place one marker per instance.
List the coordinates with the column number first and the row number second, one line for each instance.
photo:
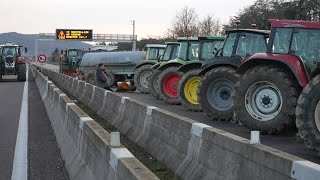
column 185, row 23
column 210, row 26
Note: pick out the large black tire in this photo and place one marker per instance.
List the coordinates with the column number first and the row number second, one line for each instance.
column 91, row 78
column 215, row 92
column 161, row 85
column 141, row 77
column 265, row 99
column 22, row 72
column 111, row 80
column 308, row 114
column 191, row 105
column 120, row 78
column 153, row 80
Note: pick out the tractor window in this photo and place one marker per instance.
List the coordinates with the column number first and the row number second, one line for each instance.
column 250, row 43
column 306, row 45
column 174, row 52
column 228, row 45
column 167, row 52
column 281, row 41
column 154, row 53
column 9, row 51
column 72, row 53
column 207, row 49
column 193, row 51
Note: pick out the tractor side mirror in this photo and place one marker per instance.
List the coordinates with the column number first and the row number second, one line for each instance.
column 61, row 52
column 25, row 50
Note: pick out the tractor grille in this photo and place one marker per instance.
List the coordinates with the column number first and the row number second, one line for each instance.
column 9, row 61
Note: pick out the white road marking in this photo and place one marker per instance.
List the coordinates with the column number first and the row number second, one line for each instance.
column 20, row 162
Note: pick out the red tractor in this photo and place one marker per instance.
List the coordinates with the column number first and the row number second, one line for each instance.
column 270, row 83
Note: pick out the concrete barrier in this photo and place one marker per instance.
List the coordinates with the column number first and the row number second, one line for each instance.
column 84, row 144
column 192, row 150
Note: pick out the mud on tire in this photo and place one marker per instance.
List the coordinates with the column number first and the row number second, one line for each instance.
column 308, row 114
column 265, row 99
column 215, row 92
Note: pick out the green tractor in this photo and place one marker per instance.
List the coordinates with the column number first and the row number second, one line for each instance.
column 70, row 60
column 192, row 49
column 216, row 77
column 155, row 54
column 11, row 62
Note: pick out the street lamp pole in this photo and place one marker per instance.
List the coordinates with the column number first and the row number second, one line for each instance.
column 134, row 39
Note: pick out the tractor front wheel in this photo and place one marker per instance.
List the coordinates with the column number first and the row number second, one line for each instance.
column 141, row 78
column 308, row 114
column 153, row 80
column 168, row 85
column 265, row 99
column 188, row 90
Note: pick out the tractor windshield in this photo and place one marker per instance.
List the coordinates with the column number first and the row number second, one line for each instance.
column 192, row 48
column 228, row 45
column 208, row 48
column 250, row 43
column 171, row 52
column 155, row 53
column 73, row 53
column 9, row 51
column 304, row 43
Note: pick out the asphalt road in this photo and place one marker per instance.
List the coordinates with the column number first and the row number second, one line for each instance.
column 284, row 142
column 44, row 160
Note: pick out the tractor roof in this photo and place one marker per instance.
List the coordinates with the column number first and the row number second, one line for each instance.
column 218, row 38
column 9, row 44
column 156, row 46
column 172, row 43
column 257, row 31
column 294, row 23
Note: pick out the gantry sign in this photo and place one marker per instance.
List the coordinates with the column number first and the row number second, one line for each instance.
column 73, row 34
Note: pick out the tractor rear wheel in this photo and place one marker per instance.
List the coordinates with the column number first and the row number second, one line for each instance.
column 141, row 77
column 168, row 85
column 153, row 80
column 265, row 99
column 188, row 87
column 215, row 92
column 22, row 72
column 308, row 114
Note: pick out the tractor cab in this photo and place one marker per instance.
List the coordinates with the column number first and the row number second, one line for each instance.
column 155, row 51
column 11, row 62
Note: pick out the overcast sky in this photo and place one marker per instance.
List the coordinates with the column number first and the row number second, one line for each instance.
column 106, row 16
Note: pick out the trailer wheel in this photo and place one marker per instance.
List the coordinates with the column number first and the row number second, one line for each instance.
column 308, row 114
column 22, row 72
column 266, row 98
column 153, row 80
column 141, row 78
column 188, row 87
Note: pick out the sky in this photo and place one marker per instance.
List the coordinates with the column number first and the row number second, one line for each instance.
column 107, row 17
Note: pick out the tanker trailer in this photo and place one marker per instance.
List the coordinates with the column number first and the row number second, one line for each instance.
column 120, row 65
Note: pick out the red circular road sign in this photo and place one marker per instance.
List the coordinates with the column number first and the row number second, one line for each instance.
column 42, row 58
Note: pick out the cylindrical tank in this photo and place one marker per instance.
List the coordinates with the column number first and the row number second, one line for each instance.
column 127, row 57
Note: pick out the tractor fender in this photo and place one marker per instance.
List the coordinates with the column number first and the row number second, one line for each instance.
column 173, row 64
column 156, row 66
column 230, row 62
column 290, row 63
column 190, row 66
column 145, row 63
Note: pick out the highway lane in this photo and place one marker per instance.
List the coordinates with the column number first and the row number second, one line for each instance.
column 44, row 160
column 11, row 92
column 284, row 142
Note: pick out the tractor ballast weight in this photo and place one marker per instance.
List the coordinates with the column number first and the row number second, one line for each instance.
column 270, row 82
column 11, row 62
